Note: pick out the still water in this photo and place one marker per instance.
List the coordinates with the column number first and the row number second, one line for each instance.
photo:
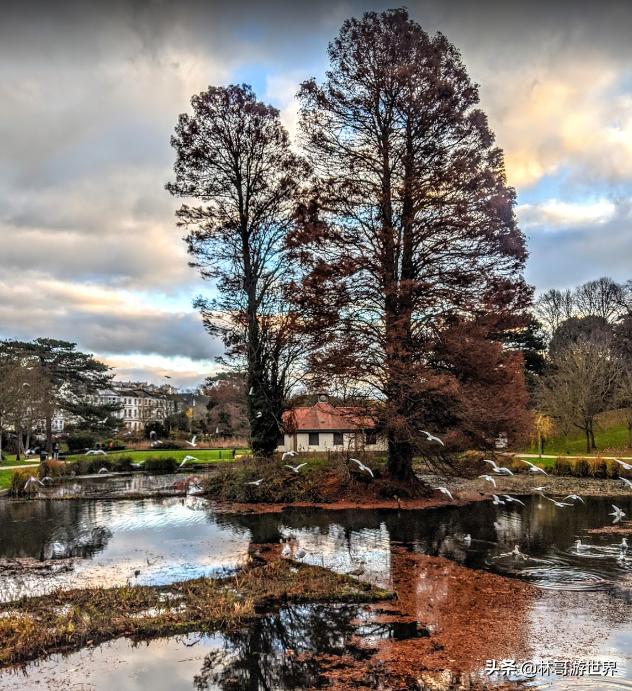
column 584, row 609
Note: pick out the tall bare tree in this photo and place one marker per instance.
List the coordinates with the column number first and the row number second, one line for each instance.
column 554, row 307
column 233, row 155
column 600, row 298
column 412, row 230
column 581, row 383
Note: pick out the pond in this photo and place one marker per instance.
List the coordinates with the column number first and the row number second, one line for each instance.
column 584, row 610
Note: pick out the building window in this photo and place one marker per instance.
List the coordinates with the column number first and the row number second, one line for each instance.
column 338, row 439
column 313, row 439
column 370, row 438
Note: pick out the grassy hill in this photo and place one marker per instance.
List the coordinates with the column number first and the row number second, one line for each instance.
column 611, row 437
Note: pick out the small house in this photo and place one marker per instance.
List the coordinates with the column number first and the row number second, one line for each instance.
column 324, row 427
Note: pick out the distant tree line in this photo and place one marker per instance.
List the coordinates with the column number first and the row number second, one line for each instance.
column 588, row 367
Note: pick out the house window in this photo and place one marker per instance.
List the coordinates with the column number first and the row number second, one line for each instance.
column 313, row 439
column 370, row 438
column 338, row 439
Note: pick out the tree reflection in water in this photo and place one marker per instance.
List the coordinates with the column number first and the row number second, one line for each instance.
column 271, row 653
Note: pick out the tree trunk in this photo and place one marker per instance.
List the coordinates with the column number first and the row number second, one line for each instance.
column 587, row 433
column 593, row 446
column 49, row 433
column 400, row 460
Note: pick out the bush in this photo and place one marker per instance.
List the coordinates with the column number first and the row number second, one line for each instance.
column 52, row 468
column 166, row 464
column 600, row 468
column 80, row 441
column 562, row 466
column 582, row 468
column 90, row 465
column 18, row 481
column 115, row 445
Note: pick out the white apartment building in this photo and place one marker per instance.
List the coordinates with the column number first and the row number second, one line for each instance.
column 138, row 406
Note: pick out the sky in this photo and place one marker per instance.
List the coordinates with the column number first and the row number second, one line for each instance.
column 90, row 94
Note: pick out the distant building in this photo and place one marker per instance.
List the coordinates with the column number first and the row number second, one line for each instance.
column 324, row 427
column 139, row 405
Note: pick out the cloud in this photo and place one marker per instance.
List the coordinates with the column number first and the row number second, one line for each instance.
column 103, row 321
column 554, row 214
column 181, row 371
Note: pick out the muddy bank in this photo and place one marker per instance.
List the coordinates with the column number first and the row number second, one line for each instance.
column 21, row 566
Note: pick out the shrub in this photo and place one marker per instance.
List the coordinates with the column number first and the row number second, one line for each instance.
column 562, row 466
column 80, row 441
column 18, row 481
column 90, row 465
column 613, row 469
column 600, row 468
column 165, row 464
column 582, row 467
column 52, row 468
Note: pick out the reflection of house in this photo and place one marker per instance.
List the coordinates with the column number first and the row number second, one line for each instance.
column 323, row 427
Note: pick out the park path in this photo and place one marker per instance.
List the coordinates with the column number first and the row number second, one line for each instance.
column 608, row 458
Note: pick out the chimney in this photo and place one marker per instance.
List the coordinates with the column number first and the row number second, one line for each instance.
column 323, row 397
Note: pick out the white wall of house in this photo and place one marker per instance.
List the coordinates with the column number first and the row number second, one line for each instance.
column 328, row 441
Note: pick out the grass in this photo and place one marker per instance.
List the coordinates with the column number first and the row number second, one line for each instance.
column 65, row 620
column 203, row 455
column 611, row 435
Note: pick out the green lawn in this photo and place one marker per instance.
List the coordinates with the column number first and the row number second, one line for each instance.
column 611, row 437
column 202, row 455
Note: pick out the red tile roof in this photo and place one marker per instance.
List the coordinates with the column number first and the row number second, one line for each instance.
column 324, row 416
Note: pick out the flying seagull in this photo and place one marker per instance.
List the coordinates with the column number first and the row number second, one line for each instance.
column 186, row 459
column 256, row 483
column 363, row 467
column 498, row 469
column 431, row 437
column 32, row 481
column 534, row 468
column 192, row 443
column 626, row 481
column 574, row 497
column 295, row 468
column 559, row 504
column 103, row 471
column 510, row 499
column 252, row 391
column 617, row 513
column 445, row 491
column 96, row 452
column 625, row 466
column 497, row 500
column 289, row 454
column 259, row 414
column 489, row 478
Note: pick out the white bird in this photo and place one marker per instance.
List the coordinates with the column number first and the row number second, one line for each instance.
column 498, row 469
column 510, row 499
column 252, row 391
column 286, row 552
column 102, row 471
column 32, row 481
column 192, row 442
column 624, row 544
column 301, row 553
column 96, row 452
column 534, row 468
column 445, row 491
column 157, row 442
column 626, row 481
column 467, row 540
column 289, row 454
column 574, row 497
column 255, row 482
column 578, row 545
column 559, row 504
column 489, row 478
column 295, row 468
column 186, row 459
column 539, row 489
column 363, row 467
column 617, row 513
column 259, row 414
column 47, row 478
column 497, row 500
column 431, row 437
column 625, row 466
column 515, row 552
